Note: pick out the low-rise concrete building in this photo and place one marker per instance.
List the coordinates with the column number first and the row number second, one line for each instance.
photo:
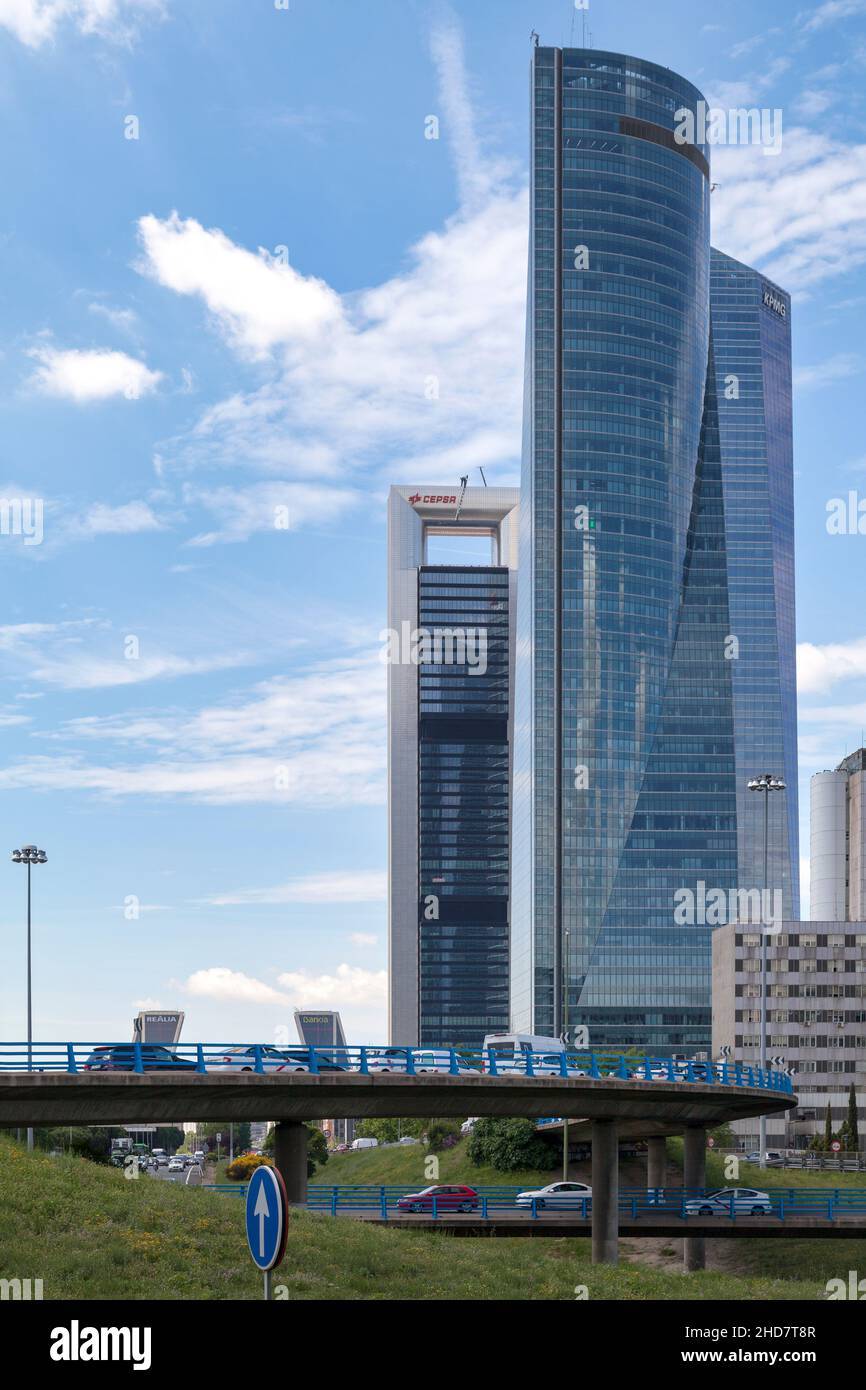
column 816, row 1018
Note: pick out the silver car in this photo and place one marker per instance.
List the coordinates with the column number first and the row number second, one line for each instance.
column 559, row 1195
column 740, row 1200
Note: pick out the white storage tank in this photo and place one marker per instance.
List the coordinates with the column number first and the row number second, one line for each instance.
column 828, row 847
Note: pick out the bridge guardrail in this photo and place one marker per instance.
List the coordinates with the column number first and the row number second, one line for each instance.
column 786, row 1203
column 684, row 1203
column 75, row 1058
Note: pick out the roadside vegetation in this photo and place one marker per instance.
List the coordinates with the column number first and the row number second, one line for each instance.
column 89, row 1233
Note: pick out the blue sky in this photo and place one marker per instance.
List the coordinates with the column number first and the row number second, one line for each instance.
column 237, row 312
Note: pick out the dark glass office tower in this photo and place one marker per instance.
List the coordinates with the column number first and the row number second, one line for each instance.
column 636, row 715
column 463, row 809
column 450, row 719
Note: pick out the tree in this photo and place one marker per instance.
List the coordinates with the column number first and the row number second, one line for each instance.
column 828, row 1129
column 317, row 1150
column 509, row 1145
column 389, row 1131
column 852, row 1133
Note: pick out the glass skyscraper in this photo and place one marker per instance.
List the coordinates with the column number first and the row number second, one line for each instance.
column 450, row 740
column 655, row 606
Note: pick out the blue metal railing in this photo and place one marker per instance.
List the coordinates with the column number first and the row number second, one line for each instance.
column 777, row 1204
column 682, row 1202
column 82, row 1058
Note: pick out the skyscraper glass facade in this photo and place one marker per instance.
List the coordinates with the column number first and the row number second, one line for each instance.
column 463, row 809
column 628, row 724
column 751, row 332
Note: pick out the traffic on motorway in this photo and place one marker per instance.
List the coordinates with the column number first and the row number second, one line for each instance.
column 575, row 1198
column 502, row 1055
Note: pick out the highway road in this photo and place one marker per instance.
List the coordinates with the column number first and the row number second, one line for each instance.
column 514, row 1223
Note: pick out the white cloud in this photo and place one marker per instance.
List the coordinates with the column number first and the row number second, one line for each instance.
column 363, row 938
column 258, row 301
column 316, row 739
column 814, row 102
column 350, row 985
column 84, row 375
column 35, row 22
column 800, row 215
column 821, row 666
column 273, row 507
column 231, row 986
column 830, row 13
column 124, row 320
column 342, row 886
column 127, row 519
column 405, row 376
column 837, row 368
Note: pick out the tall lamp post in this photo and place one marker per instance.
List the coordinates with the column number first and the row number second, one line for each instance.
column 565, row 1040
column 29, row 855
column 764, row 784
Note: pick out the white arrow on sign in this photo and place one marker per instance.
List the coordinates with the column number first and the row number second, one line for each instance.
column 262, row 1211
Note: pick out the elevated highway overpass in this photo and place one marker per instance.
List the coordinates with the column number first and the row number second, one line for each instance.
column 614, row 1099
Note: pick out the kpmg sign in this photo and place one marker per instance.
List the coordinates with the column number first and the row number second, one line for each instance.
column 772, row 301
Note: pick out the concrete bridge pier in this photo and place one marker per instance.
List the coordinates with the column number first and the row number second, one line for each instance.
column 656, row 1162
column 290, row 1157
column 605, row 1192
column 694, row 1175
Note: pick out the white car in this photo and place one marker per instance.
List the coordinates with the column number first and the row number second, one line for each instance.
column 569, row 1195
column 547, row 1064
column 244, row 1059
column 427, row 1060
column 721, row 1203
column 175, row 1165
column 394, row 1059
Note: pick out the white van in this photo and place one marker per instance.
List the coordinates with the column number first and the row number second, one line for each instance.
column 368, row 1143
column 510, row 1051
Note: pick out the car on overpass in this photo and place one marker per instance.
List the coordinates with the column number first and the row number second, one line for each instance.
column 424, row 1059
column 447, row 1199
column 273, row 1059
column 728, row 1200
column 122, row 1057
column 558, row 1195
column 544, row 1064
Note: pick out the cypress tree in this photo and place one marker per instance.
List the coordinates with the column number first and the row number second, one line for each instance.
column 851, row 1125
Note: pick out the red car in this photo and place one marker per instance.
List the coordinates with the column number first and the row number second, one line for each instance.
column 447, row 1199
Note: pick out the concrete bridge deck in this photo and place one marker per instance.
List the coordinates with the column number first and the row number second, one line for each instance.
column 641, row 1108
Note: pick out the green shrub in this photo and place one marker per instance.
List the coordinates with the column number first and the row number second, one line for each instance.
column 509, row 1145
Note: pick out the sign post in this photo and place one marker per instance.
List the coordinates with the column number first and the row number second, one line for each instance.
column 267, row 1220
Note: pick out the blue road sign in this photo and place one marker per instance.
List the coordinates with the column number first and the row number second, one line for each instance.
column 267, row 1217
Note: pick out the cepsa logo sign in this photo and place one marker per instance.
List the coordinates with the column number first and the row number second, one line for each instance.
column 429, row 497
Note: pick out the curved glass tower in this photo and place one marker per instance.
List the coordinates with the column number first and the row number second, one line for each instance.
column 626, row 769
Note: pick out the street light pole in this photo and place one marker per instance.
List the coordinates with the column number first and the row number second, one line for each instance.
column 29, row 855
column 565, row 1038
column 765, row 784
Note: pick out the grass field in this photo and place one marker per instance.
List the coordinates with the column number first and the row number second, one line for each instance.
column 89, row 1233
